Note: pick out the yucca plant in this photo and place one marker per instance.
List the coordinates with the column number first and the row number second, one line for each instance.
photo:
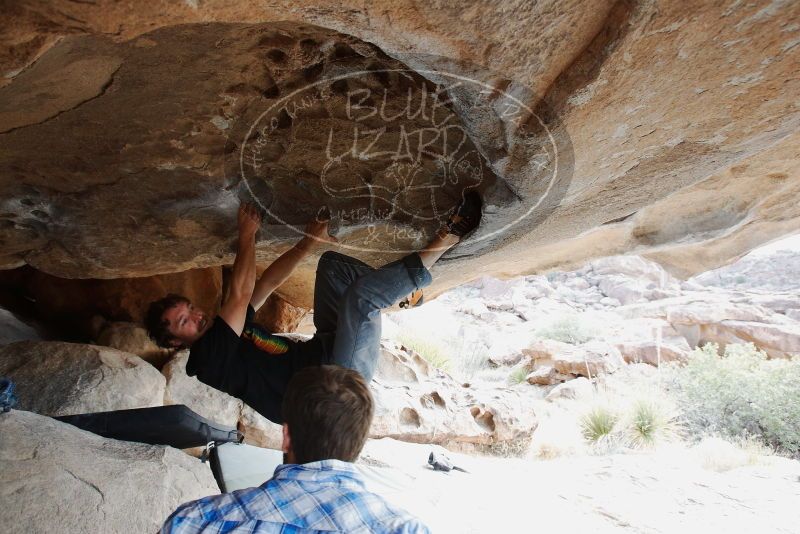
column 518, row 375
column 598, row 424
column 650, row 423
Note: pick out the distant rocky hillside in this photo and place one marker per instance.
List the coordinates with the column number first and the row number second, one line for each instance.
column 776, row 270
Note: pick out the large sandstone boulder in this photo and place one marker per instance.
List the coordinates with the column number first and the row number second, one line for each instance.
column 258, row 430
column 277, row 315
column 443, row 412
column 135, row 164
column 398, row 365
column 12, row 329
column 133, row 339
column 57, row 478
column 579, row 388
column 631, row 279
column 654, row 352
column 552, row 361
column 56, row 378
column 417, row 403
column 589, row 360
column 205, row 400
column 726, row 322
column 777, row 340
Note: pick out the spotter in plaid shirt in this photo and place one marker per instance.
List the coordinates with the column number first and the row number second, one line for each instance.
column 324, row 496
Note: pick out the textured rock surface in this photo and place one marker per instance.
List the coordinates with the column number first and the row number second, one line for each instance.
column 12, row 329
column 579, row 388
column 678, row 130
column 653, row 352
column 55, row 378
column 206, row 401
column 546, row 375
column 279, row 316
column 774, row 268
column 133, row 339
column 57, row 478
column 589, row 360
column 777, row 340
column 424, row 405
column 258, row 430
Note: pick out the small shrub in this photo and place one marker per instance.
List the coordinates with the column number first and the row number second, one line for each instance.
column 739, row 394
column 723, row 454
column 650, row 423
column 567, row 329
column 598, row 424
column 518, row 375
column 471, row 359
column 430, row 351
column 515, row 448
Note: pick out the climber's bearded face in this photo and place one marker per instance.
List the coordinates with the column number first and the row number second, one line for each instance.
column 186, row 324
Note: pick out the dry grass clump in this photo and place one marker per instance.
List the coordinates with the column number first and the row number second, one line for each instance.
column 720, row 454
column 643, row 424
column 430, row 351
column 518, row 375
column 568, row 329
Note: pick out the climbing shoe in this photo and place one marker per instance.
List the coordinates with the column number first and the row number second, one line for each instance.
column 413, row 300
column 466, row 216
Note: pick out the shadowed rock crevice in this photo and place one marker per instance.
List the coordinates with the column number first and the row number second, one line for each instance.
column 575, row 82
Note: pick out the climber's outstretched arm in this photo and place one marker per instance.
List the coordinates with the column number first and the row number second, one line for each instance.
column 281, row 269
column 243, row 278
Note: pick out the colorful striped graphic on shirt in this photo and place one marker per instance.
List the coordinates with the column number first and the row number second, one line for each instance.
column 265, row 341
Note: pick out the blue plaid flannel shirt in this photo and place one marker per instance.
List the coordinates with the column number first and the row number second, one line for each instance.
column 326, row 496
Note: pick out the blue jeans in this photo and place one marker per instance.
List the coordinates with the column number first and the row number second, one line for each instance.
column 348, row 298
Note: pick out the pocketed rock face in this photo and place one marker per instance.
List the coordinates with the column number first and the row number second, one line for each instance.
column 678, row 133
column 57, row 478
column 425, row 405
column 55, row 378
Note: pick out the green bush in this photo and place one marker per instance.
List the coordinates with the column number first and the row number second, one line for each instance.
column 738, row 394
column 567, row 329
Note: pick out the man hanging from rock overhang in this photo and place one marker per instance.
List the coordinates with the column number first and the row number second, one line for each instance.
column 232, row 353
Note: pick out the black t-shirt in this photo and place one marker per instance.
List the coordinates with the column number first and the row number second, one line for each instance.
column 255, row 367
